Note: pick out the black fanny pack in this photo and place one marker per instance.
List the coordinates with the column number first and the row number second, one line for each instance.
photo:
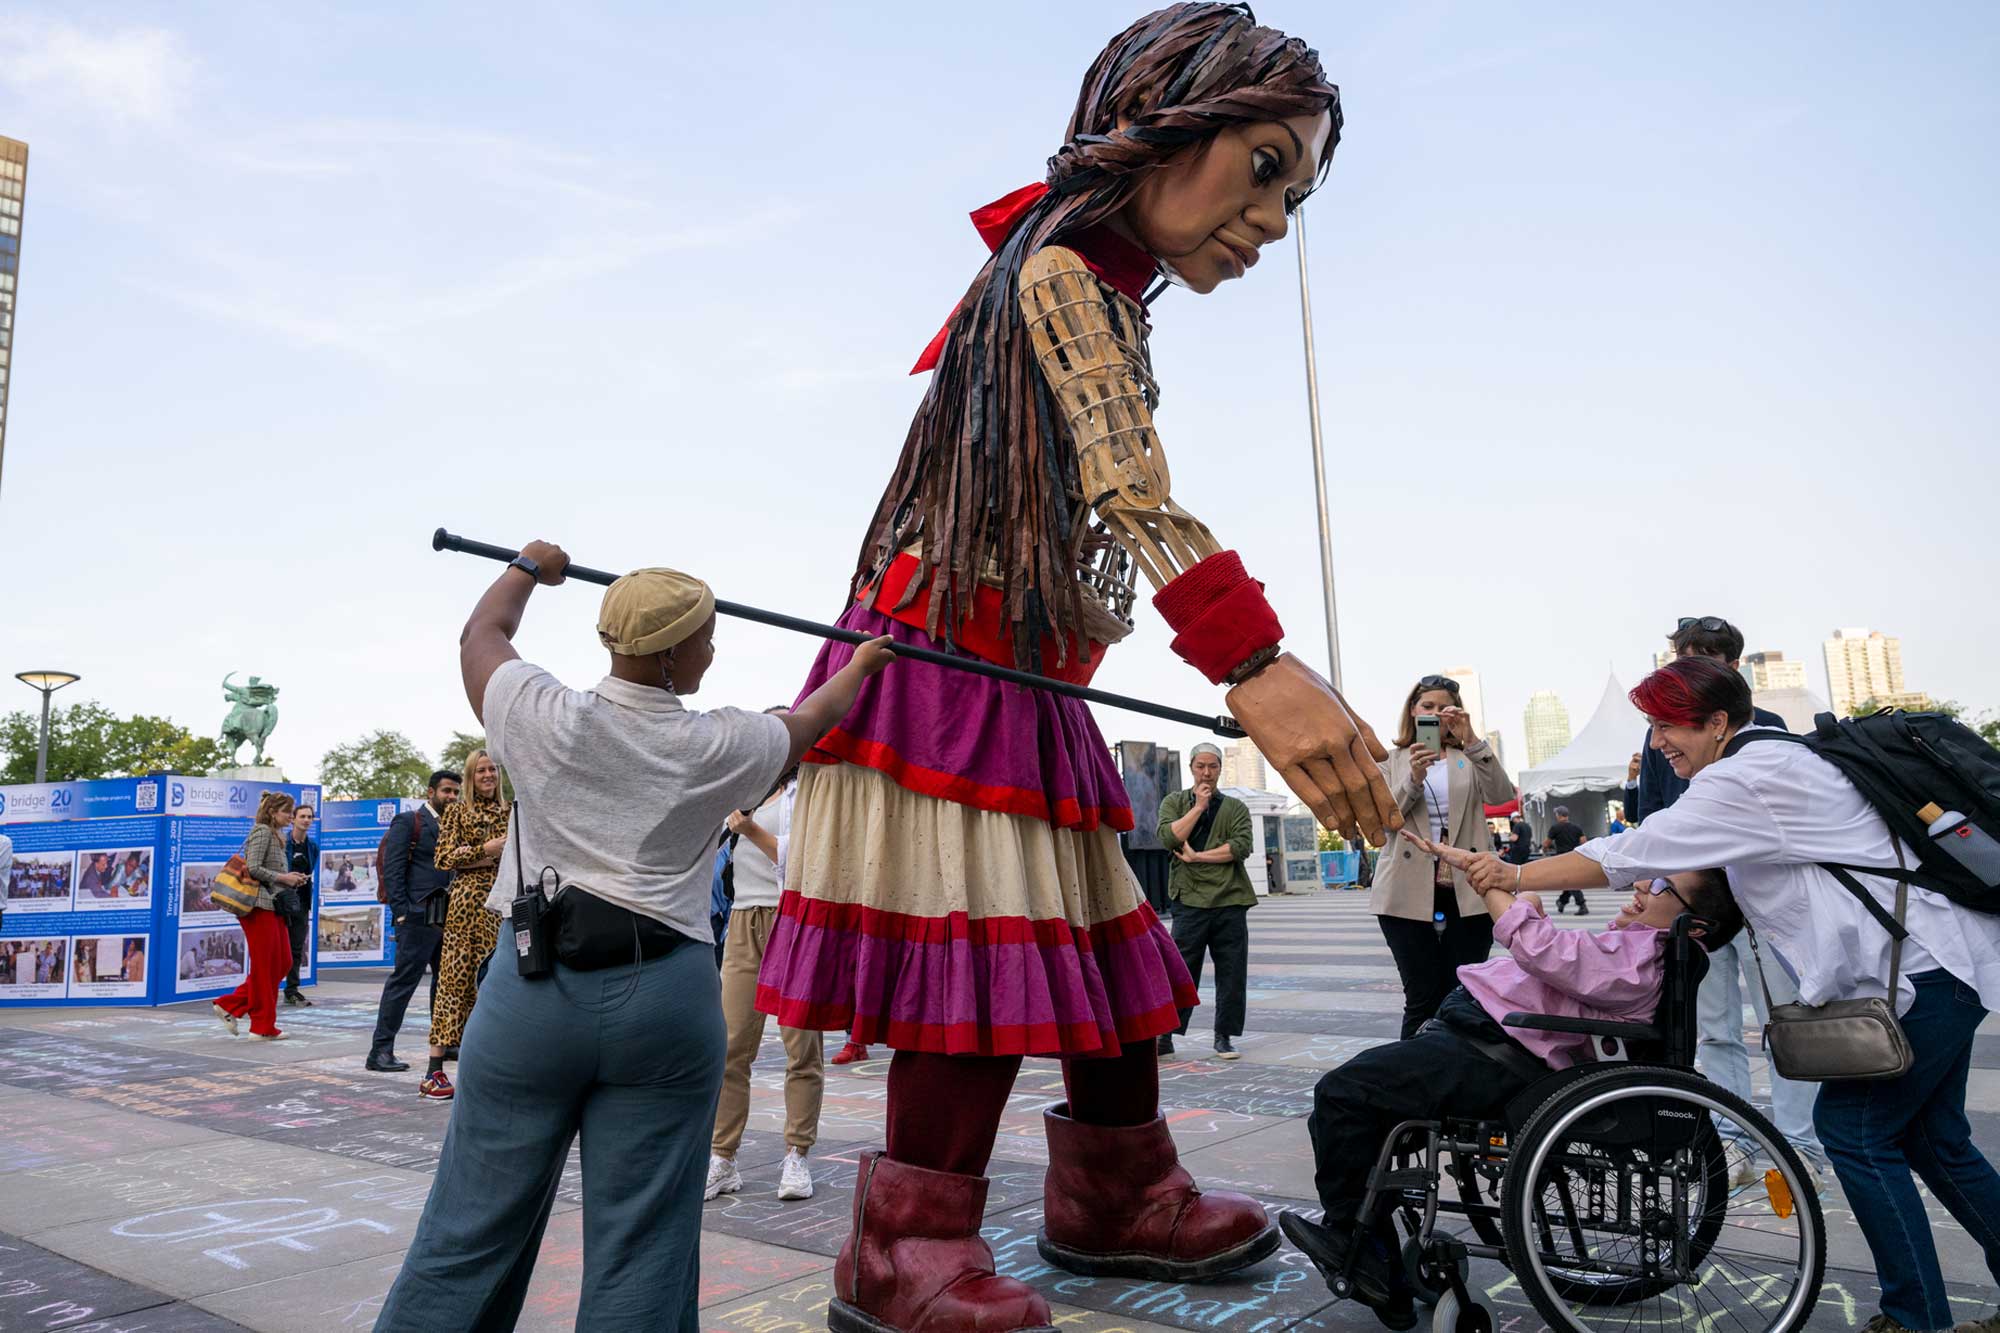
column 592, row 933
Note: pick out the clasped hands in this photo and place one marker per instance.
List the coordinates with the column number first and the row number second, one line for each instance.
column 1328, row 756
column 1484, row 871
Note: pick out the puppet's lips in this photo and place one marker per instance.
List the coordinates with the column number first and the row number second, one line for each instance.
column 1245, row 254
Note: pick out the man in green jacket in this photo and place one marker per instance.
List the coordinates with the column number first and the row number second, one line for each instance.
column 1209, row 836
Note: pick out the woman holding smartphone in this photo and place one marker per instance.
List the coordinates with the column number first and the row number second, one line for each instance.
column 1441, row 776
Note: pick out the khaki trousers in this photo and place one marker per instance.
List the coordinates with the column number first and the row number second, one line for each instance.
column 805, row 1081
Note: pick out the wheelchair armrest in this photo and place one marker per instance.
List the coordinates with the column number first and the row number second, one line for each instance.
column 1593, row 1027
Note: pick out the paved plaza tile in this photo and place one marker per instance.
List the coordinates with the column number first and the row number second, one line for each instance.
column 163, row 1176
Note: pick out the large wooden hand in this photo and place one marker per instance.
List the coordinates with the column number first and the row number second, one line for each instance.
column 1327, row 755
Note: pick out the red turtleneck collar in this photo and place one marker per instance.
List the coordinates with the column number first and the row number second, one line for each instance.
column 1122, row 263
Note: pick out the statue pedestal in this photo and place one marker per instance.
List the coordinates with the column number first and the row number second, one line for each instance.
column 251, row 773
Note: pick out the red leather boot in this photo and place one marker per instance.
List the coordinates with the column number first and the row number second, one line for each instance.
column 1118, row 1203
column 914, row 1262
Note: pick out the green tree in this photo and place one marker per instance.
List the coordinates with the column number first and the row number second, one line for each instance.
column 459, row 748
column 379, row 765
column 1949, row 707
column 89, row 741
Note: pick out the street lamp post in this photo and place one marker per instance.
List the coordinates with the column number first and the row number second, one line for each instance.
column 1319, row 461
column 48, row 682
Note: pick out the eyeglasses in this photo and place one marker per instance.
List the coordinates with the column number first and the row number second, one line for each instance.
column 1438, row 683
column 1660, row 886
column 1712, row 624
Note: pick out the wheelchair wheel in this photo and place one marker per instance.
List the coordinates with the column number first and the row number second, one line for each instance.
column 1618, row 1210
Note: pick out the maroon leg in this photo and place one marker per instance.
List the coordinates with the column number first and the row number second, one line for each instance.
column 974, row 1088
column 1123, row 1090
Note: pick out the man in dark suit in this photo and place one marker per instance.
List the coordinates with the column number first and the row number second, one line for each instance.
column 303, row 853
column 410, row 878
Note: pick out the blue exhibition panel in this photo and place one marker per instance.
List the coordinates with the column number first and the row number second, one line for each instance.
column 353, row 928
column 107, row 899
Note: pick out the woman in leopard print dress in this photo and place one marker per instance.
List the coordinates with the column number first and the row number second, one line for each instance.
column 471, row 833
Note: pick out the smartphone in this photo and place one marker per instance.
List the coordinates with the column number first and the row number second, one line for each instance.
column 1430, row 733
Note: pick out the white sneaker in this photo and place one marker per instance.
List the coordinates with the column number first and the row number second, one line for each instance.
column 723, row 1177
column 228, row 1019
column 1747, row 1171
column 795, row 1180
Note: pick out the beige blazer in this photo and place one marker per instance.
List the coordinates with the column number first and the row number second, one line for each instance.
column 1404, row 875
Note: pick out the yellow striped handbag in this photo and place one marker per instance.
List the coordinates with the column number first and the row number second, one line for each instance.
column 233, row 890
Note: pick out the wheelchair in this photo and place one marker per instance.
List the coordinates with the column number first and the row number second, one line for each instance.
column 1627, row 1194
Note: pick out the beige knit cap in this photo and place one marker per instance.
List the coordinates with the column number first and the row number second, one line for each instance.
column 650, row 610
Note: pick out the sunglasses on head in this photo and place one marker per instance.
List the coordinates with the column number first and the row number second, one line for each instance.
column 1438, row 683
column 1712, row 624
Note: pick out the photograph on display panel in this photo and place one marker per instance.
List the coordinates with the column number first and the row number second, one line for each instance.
column 197, row 908
column 41, row 882
column 347, row 877
column 107, row 967
column 350, row 934
column 33, row 968
column 114, row 879
column 209, row 958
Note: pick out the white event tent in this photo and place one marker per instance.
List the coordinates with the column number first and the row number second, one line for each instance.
column 1590, row 771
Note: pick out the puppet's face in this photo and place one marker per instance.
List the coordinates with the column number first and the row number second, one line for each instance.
column 1205, row 214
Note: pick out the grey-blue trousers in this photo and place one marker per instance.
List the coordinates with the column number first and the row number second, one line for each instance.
column 630, row 1058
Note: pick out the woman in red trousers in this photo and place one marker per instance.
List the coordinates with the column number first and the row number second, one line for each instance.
column 266, row 940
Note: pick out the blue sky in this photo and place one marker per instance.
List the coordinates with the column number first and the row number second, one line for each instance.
column 1622, row 316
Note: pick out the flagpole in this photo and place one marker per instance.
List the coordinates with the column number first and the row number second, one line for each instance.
column 1319, row 460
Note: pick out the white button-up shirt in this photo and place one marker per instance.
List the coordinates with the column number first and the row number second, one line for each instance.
column 1766, row 815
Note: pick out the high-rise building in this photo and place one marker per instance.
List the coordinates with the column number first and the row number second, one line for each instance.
column 13, row 191
column 1662, row 657
column 1547, row 723
column 1499, row 751
column 1472, row 695
column 1243, row 766
column 1862, row 664
column 1770, row 671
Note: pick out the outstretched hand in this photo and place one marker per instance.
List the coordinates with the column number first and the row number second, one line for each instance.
column 1327, row 756
column 1483, row 870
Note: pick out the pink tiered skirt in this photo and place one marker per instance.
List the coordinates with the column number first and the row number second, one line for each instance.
column 954, row 882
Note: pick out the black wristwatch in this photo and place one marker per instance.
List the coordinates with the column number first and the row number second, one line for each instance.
column 526, row 566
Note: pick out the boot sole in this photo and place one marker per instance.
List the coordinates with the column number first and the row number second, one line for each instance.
column 1139, row 1264
column 844, row 1318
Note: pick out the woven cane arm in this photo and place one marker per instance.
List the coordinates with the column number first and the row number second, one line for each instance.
column 1090, row 343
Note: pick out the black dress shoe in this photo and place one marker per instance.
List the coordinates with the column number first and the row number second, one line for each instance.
column 1375, row 1284
column 385, row 1062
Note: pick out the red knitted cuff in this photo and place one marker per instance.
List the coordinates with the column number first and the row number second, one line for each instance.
column 1219, row 616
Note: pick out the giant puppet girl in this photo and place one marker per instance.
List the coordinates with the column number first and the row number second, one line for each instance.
column 955, row 888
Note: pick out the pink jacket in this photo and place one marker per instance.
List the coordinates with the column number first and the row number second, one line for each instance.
column 1607, row 974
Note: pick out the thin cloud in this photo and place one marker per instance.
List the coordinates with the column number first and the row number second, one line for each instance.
column 124, row 74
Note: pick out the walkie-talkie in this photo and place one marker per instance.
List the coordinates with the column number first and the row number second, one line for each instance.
column 533, row 921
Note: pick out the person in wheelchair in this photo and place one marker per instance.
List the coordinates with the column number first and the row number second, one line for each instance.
column 1464, row 1064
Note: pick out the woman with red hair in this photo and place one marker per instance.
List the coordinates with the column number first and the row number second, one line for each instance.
column 1771, row 814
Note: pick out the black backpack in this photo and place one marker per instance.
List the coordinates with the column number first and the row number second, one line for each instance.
column 1901, row 762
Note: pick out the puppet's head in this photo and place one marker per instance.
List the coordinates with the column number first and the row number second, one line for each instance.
column 1195, row 133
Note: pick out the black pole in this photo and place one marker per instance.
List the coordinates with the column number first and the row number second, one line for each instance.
column 1220, row 724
